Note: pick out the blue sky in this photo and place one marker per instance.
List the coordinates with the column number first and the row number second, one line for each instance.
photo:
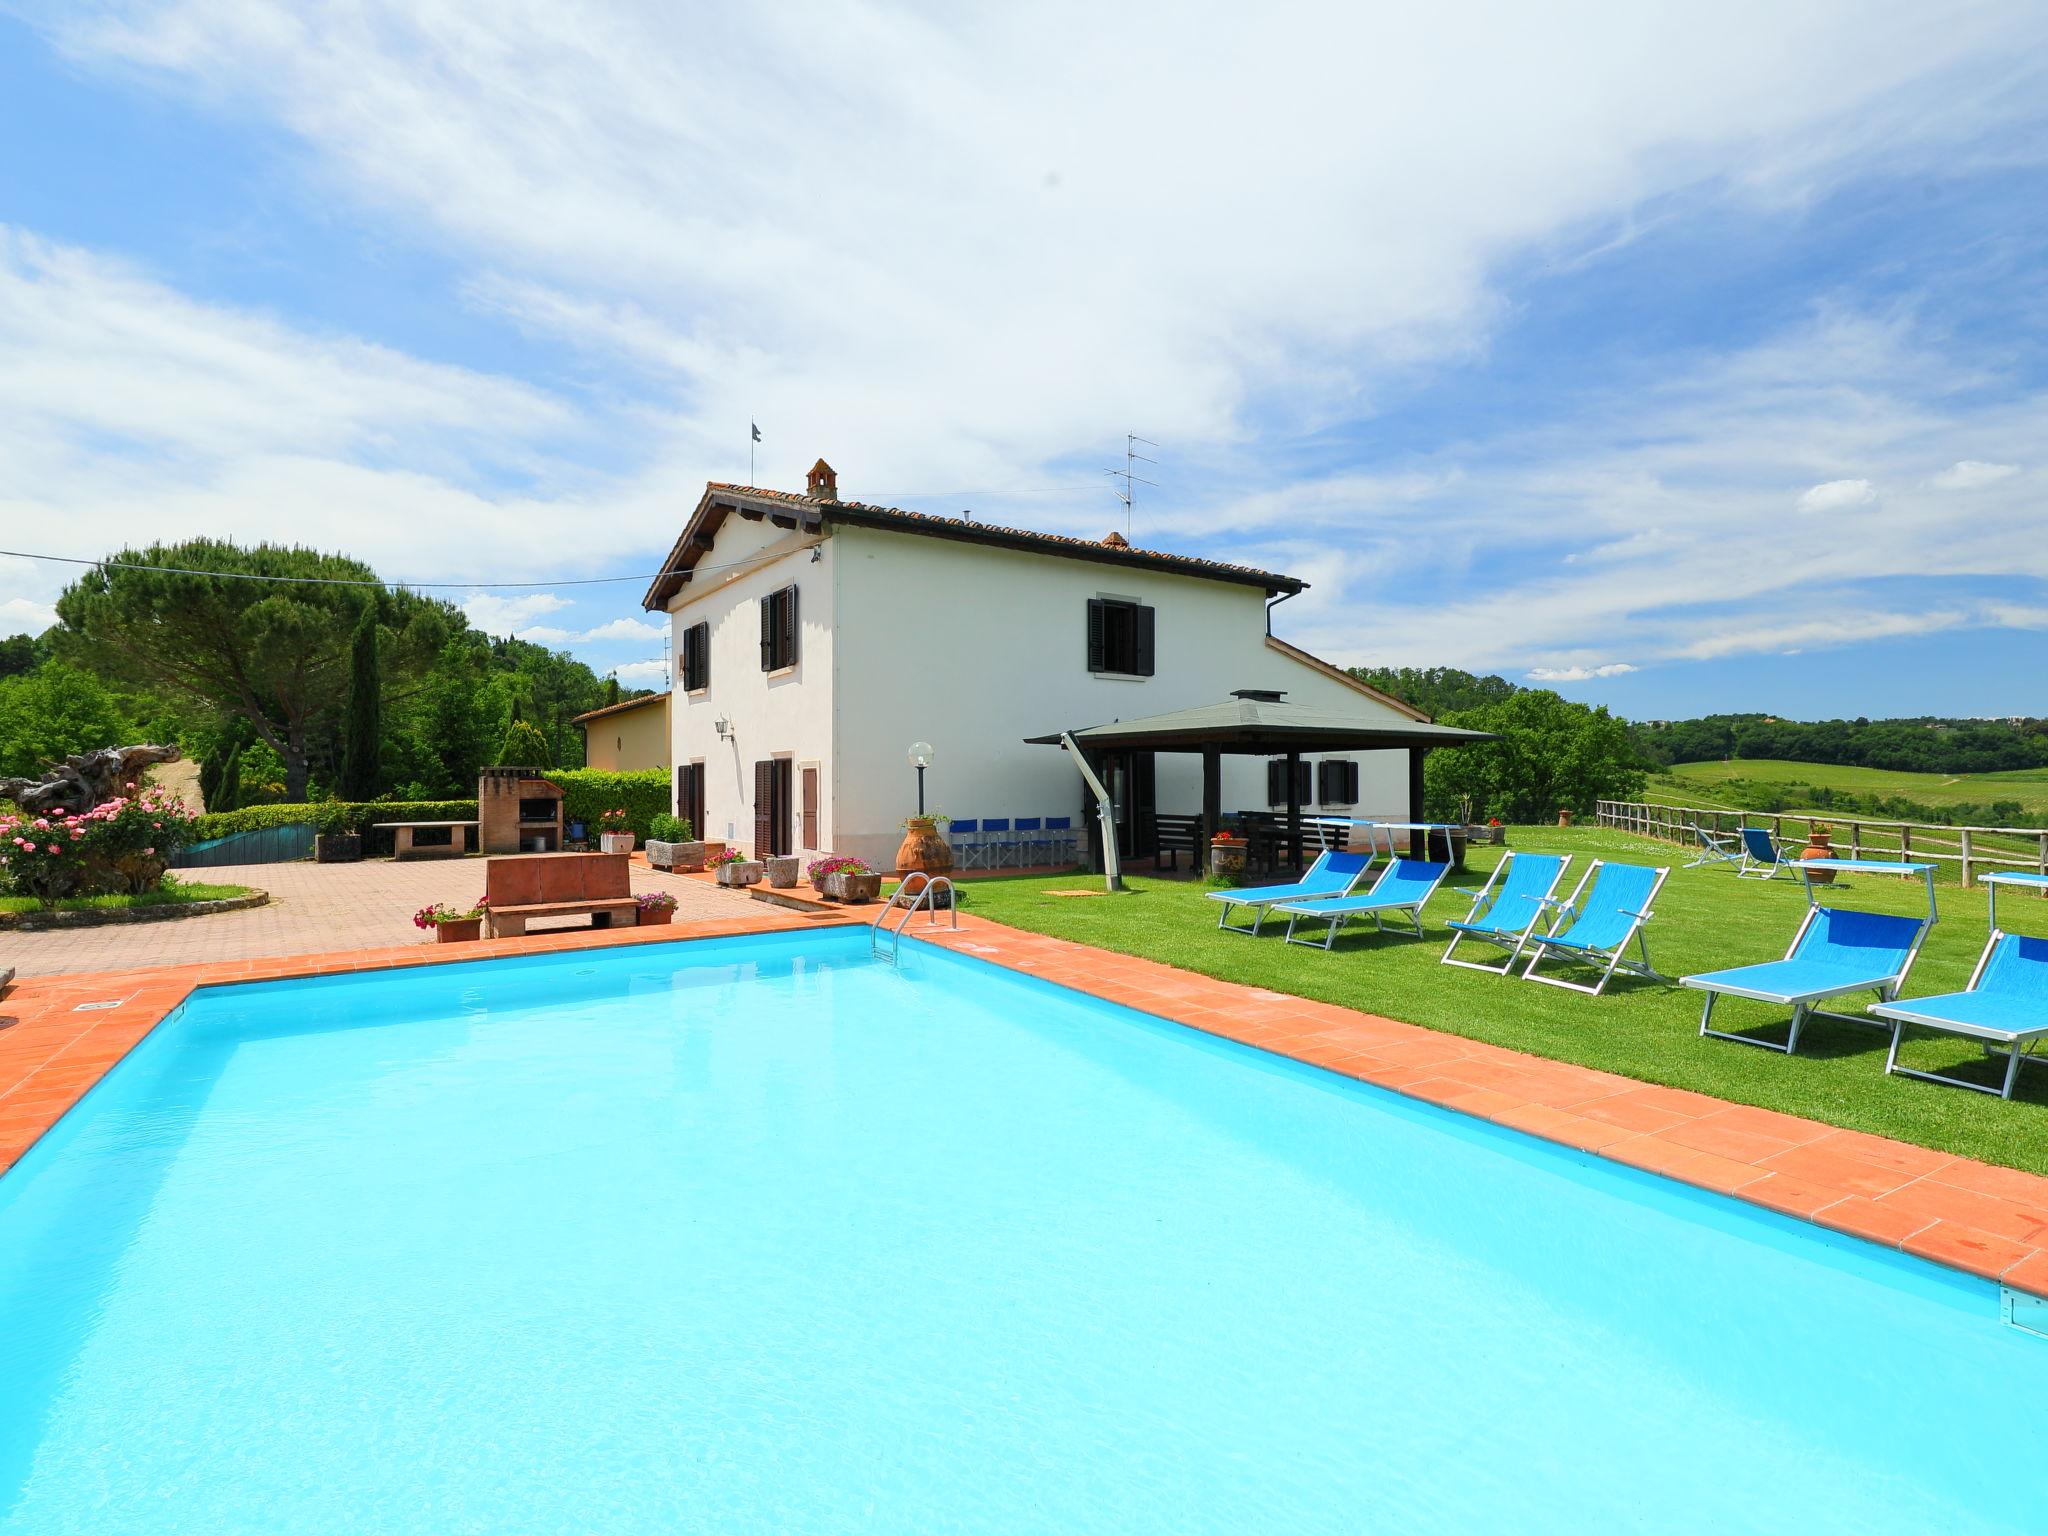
column 1685, row 358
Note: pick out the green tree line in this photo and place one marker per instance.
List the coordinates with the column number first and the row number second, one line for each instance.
column 284, row 688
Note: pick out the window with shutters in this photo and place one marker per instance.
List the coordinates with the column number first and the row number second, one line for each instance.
column 778, row 630
column 690, row 797
column 1119, row 637
column 697, row 658
column 1337, row 782
column 807, row 807
column 1276, row 782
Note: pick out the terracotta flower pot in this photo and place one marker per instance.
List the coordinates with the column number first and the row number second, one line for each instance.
column 459, row 931
column 923, row 848
column 656, row 917
column 1820, row 844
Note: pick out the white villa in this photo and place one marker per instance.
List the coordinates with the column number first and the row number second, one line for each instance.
column 816, row 639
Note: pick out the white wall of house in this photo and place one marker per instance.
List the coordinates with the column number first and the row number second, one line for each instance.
column 780, row 714
column 909, row 637
column 998, row 652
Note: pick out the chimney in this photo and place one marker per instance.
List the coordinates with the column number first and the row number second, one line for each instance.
column 1116, row 540
column 822, row 483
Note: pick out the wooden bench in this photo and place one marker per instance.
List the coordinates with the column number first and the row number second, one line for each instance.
column 523, row 886
column 1173, row 836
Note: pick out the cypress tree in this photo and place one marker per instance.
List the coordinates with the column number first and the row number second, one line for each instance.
column 230, row 785
column 362, row 731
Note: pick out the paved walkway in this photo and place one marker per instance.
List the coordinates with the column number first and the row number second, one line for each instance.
column 315, row 908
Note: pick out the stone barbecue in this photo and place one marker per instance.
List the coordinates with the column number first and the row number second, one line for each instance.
column 518, row 811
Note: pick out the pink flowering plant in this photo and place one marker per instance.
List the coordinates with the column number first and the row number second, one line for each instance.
column 836, row 864
column 434, row 915
column 121, row 846
column 656, row 901
column 615, row 821
column 729, row 856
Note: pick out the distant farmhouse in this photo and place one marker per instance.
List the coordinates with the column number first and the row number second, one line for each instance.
column 816, row 639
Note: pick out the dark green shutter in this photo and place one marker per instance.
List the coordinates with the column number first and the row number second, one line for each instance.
column 1096, row 642
column 1142, row 649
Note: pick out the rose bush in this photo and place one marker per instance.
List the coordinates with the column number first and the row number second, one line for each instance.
column 119, row 847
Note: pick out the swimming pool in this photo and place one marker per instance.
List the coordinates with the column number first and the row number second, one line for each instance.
column 761, row 1235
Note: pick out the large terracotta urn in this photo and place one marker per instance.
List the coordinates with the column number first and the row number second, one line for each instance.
column 1820, row 844
column 923, row 848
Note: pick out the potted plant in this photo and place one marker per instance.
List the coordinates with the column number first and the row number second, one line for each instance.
column 656, row 908
column 839, row 878
column 1226, row 854
column 337, row 848
column 669, row 845
column 781, row 870
column 734, row 868
column 451, row 925
column 923, row 846
column 615, row 831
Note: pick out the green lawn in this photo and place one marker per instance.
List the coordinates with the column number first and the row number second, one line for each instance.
column 1706, row 920
column 174, row 892
column 1739, row 784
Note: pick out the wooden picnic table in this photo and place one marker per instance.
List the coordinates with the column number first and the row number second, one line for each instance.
column 403, row 846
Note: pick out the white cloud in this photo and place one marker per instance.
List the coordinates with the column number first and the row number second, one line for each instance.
column 498, row 615
column 1835, row 495
column 1968, row 474
column 615, row 630
column 642, row 674
column 1579, row 674
column 24, row 616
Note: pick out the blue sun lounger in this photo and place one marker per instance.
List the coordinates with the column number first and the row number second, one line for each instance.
column 2005, row 1003
column 1333, row 874
column 1403, row 886
column 1596, row 927
column 1506, row 910
column 1837, row 950
column 1761, row 856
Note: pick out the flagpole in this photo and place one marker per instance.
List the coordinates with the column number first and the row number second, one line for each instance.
column 753, row 436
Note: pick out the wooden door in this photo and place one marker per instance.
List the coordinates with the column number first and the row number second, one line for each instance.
column 807, row 828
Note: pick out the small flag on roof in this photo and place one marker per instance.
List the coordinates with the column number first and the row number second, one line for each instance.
column 757, row 431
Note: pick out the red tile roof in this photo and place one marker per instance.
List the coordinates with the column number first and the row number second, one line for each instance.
column 720, row 497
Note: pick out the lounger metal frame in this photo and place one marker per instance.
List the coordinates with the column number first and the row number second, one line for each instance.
column 2019, row 1044
column 1567, row 913
column 1411, row 909
column 1262, row 907
column 1801, row 1003
column 1716, row 847
column 1521, row 941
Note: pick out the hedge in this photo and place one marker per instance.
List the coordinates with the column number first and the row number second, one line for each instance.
column 586, row 794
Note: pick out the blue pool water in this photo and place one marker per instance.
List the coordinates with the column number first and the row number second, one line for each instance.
column 762, row 1236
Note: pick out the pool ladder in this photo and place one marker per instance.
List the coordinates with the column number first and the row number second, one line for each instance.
column 925, row 898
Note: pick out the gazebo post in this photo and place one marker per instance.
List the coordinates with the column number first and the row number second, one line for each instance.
column 1294, row 808
column 1418, row 842
column 1212, row 804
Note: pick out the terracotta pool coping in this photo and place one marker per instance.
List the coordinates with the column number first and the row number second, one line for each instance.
column 1985, row 1220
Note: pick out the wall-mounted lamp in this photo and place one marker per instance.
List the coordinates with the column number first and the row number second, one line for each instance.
column 723, row 727
column 817, row 554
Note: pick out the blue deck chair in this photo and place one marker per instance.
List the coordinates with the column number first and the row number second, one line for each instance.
column 965, row 837
column 1333, row 874
column 1403, row 886
column 1596, row 927
column 1506, row 910
column 1761, row 856
column 2005, row 1003
column 1837, row 950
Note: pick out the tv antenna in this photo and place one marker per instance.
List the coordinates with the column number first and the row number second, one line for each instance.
column 1127, row 493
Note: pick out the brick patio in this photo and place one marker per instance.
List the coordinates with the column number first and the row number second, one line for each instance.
column 315, row 908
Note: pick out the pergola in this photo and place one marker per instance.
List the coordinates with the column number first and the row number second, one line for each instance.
column 1255, row 722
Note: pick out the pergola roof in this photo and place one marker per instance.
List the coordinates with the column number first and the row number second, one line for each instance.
column 1265, row 725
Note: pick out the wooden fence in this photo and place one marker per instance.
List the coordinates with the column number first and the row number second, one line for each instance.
column 1973, row 849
